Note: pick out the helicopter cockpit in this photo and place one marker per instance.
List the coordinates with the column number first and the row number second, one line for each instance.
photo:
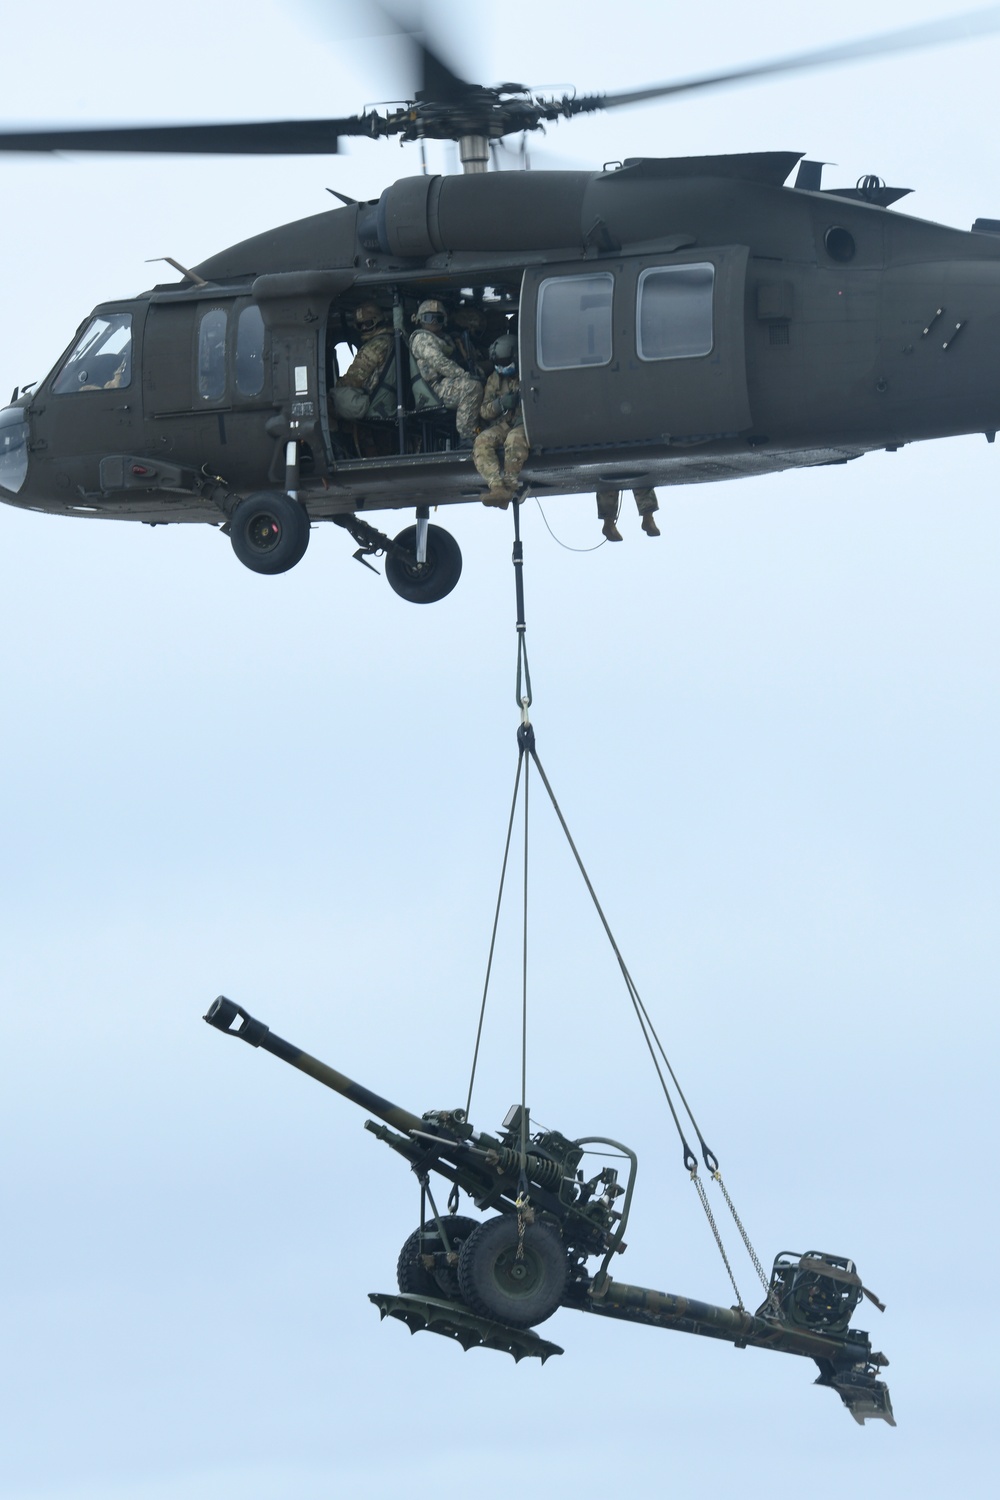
column 101, row 358
column 13, row 449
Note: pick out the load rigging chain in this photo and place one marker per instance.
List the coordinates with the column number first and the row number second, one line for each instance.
column 526, row 757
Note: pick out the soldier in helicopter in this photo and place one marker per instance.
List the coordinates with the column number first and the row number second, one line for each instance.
column 435, row 354
column 354, row 389
column 505, row 436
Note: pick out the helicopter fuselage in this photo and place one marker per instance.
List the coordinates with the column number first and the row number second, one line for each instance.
column 679, row 321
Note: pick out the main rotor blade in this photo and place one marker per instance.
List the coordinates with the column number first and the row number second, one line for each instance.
column 437, row 80
column 431, row 76
column 407, row 18
column 273, row 138
column 931, row 34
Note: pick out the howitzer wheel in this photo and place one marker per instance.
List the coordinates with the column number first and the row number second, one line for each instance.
column 413, row 1277
column 517, row 1290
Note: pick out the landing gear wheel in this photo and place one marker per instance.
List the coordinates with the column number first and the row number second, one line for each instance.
column 497, row 1285
column 425, row 583
column 411, row 1273
column 269, row 533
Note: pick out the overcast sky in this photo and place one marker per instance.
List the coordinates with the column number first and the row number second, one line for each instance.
column 773, row 733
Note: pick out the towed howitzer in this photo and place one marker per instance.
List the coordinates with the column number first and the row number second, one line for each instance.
column 490, row 1283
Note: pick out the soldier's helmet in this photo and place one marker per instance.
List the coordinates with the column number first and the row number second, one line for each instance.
column 503, row 353
column 431, row 314
column 369, row 317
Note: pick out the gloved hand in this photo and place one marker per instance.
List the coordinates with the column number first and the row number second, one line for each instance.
column 510, row 400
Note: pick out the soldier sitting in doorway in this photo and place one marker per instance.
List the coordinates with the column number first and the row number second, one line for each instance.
column 505, row 436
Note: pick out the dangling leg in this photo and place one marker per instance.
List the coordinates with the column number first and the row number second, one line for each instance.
column 607, row 511
column 515, row 456
column 647, row 504
column 466, row 398
column 485, row 456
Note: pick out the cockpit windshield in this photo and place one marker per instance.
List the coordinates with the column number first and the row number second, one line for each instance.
column 101, row 359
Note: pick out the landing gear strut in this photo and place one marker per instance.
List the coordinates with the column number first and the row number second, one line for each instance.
column 423, row 564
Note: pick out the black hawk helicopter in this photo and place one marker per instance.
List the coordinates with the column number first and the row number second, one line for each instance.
column 680, row 320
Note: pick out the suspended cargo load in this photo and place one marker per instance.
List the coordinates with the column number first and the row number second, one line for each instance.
column 488, row 1283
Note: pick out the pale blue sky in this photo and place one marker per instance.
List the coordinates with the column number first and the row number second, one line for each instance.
column 773, row 732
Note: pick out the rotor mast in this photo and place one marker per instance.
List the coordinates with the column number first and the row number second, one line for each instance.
column 474, row 153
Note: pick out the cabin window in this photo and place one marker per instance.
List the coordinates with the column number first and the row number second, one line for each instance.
column 250, row 352
column 674, row 311
column 212, row 354
column 101, row 359
column 574, row 321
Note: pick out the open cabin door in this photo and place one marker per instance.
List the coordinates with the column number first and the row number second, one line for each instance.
column 641, row 349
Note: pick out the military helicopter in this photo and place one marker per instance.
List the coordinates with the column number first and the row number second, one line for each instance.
column 680, row 320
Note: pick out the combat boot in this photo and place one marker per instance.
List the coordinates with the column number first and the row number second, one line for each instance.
column 611, row 532
column 649, row 525
column 498, row 494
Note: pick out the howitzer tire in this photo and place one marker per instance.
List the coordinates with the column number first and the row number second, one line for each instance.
column 411, row 1273
column 426, row 582
column 497, row 1284
column 269, row 533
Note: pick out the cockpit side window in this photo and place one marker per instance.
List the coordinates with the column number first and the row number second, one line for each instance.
column 212, row 354
column 101, row 359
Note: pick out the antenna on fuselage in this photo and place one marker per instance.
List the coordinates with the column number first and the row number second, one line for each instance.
column 191, row 275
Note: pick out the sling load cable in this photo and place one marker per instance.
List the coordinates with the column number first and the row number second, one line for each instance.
column 527, row 752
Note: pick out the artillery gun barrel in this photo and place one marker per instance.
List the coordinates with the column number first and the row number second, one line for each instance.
column 224, row 1013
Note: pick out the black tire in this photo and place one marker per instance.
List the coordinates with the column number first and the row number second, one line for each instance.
column 497, row 1285
column 269, row 533
column 425, row 583
column 411, row 1273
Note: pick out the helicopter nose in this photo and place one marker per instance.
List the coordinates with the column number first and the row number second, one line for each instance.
column 13, row 449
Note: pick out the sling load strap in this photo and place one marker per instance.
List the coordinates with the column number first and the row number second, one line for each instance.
column 525, row 737
column 523, row 699
column 526, row 747
column 650, row 1036
column 493, row 934
column 526, row 742
column 522, row 1193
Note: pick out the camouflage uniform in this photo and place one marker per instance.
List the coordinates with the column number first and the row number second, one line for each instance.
column 369, row 362
column 455, row 389
column 607, row 510
column 506, row 432
column 359, row 381
column 607, row 503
